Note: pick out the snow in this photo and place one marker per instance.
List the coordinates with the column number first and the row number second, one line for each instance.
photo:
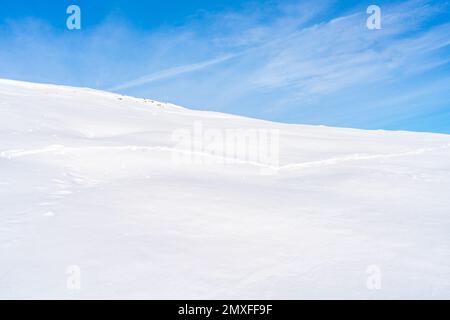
column 94, row 204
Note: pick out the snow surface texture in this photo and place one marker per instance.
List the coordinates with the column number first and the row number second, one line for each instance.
column 93, row 206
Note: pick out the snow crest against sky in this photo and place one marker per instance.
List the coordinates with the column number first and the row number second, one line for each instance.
column 312, row 62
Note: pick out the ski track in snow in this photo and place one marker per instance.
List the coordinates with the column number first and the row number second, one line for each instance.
column 63, row 150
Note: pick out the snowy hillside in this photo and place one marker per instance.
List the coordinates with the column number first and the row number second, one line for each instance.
column 106, row 196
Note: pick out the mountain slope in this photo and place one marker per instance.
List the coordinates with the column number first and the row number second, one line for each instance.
column 107, row 196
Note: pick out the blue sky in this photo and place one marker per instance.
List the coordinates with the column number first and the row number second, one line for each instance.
column 312, row 62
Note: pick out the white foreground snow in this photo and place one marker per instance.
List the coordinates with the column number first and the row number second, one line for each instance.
column 92, row 205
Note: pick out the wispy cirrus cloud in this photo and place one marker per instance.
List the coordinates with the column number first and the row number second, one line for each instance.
column 171, row 72
column 326, row 57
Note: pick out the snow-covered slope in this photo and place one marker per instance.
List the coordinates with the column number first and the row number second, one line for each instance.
column 95, row 204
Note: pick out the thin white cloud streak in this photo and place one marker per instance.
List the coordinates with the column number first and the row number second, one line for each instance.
column 172, row 72
column 246, row 37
